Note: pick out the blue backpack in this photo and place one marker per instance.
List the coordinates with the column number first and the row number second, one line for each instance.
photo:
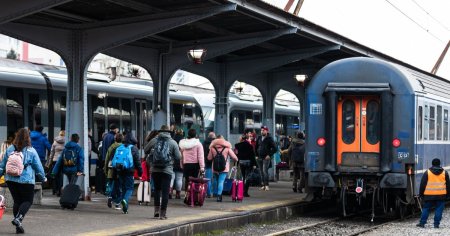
column 123, row 159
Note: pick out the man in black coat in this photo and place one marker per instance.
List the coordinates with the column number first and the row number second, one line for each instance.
column 265, row 148
column 434, row 189
column 208, row 163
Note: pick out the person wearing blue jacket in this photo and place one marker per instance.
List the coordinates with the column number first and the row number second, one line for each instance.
column 70, row 168
column 40, row 142
column 22, row 187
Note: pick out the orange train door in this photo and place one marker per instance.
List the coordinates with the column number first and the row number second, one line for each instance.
column 358, row 131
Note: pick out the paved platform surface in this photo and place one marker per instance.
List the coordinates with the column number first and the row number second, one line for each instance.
column 95, row 218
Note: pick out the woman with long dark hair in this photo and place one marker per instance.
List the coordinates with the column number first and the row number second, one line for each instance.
column 22, row 186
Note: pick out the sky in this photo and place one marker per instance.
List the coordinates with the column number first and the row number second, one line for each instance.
column 417, row 36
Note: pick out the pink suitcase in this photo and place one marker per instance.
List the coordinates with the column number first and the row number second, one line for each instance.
column 237, row 191
column 196, row 192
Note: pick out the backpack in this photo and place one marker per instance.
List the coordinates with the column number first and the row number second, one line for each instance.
column 14, row 165
column 219, row 162
column 159, row 156
column 69, row 157
column 123, row 159
column 298, row 153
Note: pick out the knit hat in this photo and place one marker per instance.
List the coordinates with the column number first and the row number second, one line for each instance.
column 265, row 128
column 436, row 162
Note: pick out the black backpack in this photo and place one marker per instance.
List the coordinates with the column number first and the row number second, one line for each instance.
column 298, row 153
column 219, row 162
column 159, row 156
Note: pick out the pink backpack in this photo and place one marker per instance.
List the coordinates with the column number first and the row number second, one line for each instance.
column 14, row 165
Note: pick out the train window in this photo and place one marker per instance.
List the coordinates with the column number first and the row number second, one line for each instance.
column 63, row 109
column 177, row 113
column 445, row 124
column 420, row 123
column 234, row 122
column 126, row 114
column 373, row 122
column 14, row 103
column 439, row 123
column 34, row 111
column 348, row 120
column 99, row 117
column 432, row 126
column 426, row 123
column 113, row 111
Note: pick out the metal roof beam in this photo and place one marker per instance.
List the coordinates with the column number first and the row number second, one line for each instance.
column 137, row 6
column 265, row 62
column 16, row 9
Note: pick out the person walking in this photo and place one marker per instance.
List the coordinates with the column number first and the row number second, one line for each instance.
column 55, row 152
column 246, row 155
column 208, row 163
column 179, row 135
column 21, row 185
column 40, row 143
column 110, row 174
column 296, row 154
column 70, row 162
column 124, row 184
column 105, row 187
column 162, row 152
column 5, row 145
column 193, row 159
column 265, row 148
column 220, row 146
column 434, row 189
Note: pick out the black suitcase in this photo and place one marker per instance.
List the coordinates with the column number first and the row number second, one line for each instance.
column 70, row 196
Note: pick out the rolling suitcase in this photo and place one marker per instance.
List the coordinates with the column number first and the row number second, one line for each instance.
column 70, row 195
column 237, row 188
column 144, row 193
column 196, row 192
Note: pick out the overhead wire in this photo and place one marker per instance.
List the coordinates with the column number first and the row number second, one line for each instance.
column 423, row 9
column 410, row 18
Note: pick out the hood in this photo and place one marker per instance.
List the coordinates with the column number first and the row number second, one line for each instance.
column 299, row 141
column 71, row 144
column 220, row 142
column 34, row 135
column 60, row 139
column 189, row 143
column 436, row 170
column 165, row 135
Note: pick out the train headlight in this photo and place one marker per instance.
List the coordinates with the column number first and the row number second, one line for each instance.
column 321, row 142
column 396, row 142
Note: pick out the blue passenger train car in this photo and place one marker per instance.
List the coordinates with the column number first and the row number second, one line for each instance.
column 373, row 128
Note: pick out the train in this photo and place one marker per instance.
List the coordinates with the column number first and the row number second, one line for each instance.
column 373, row 128
column 30, row 92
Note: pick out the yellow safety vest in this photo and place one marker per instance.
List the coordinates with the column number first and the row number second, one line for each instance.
column 436, row 184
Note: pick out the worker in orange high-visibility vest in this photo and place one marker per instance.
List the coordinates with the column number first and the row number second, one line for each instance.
column 434, row 189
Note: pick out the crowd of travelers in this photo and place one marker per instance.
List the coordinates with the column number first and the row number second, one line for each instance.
column 171, row 158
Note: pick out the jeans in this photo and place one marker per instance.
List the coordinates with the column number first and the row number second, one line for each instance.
column 177, row 180
column 125, row 186
column 299, row 176
column 219, row 179
column 439, row 204
column 264, row 167
column 209, row 175
column 113, row 189
column 22, row 195
column 162, row 185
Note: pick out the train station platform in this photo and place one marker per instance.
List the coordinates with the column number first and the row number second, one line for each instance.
column 95, row 218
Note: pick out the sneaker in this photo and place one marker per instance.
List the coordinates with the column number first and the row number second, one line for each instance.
column 436, row 226
column 109, row 202
column 263, row 188
column 294, row 189
column 246, row 195
column 117, row 206
column 420, row 225
column 267, row 188
column 124, row 206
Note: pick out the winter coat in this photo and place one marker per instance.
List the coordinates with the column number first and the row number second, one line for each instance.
column 220, row 144
column 295, row 141
column 40, row 143
column 79, row 167
column 109, row 156
column 57, row 147
column 178, row 138
column 192, row 152
column 206, row 143
column 245, row 151
column 107, row 141
column 423, row 183
column 265, row 147
column 33, row 168
column 174, row 152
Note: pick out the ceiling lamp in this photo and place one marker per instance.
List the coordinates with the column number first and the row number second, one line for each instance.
column 196, row 55
column 301, row 79
column 239, row 87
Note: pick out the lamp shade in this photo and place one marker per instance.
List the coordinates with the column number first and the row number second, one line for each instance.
column 196, row 55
